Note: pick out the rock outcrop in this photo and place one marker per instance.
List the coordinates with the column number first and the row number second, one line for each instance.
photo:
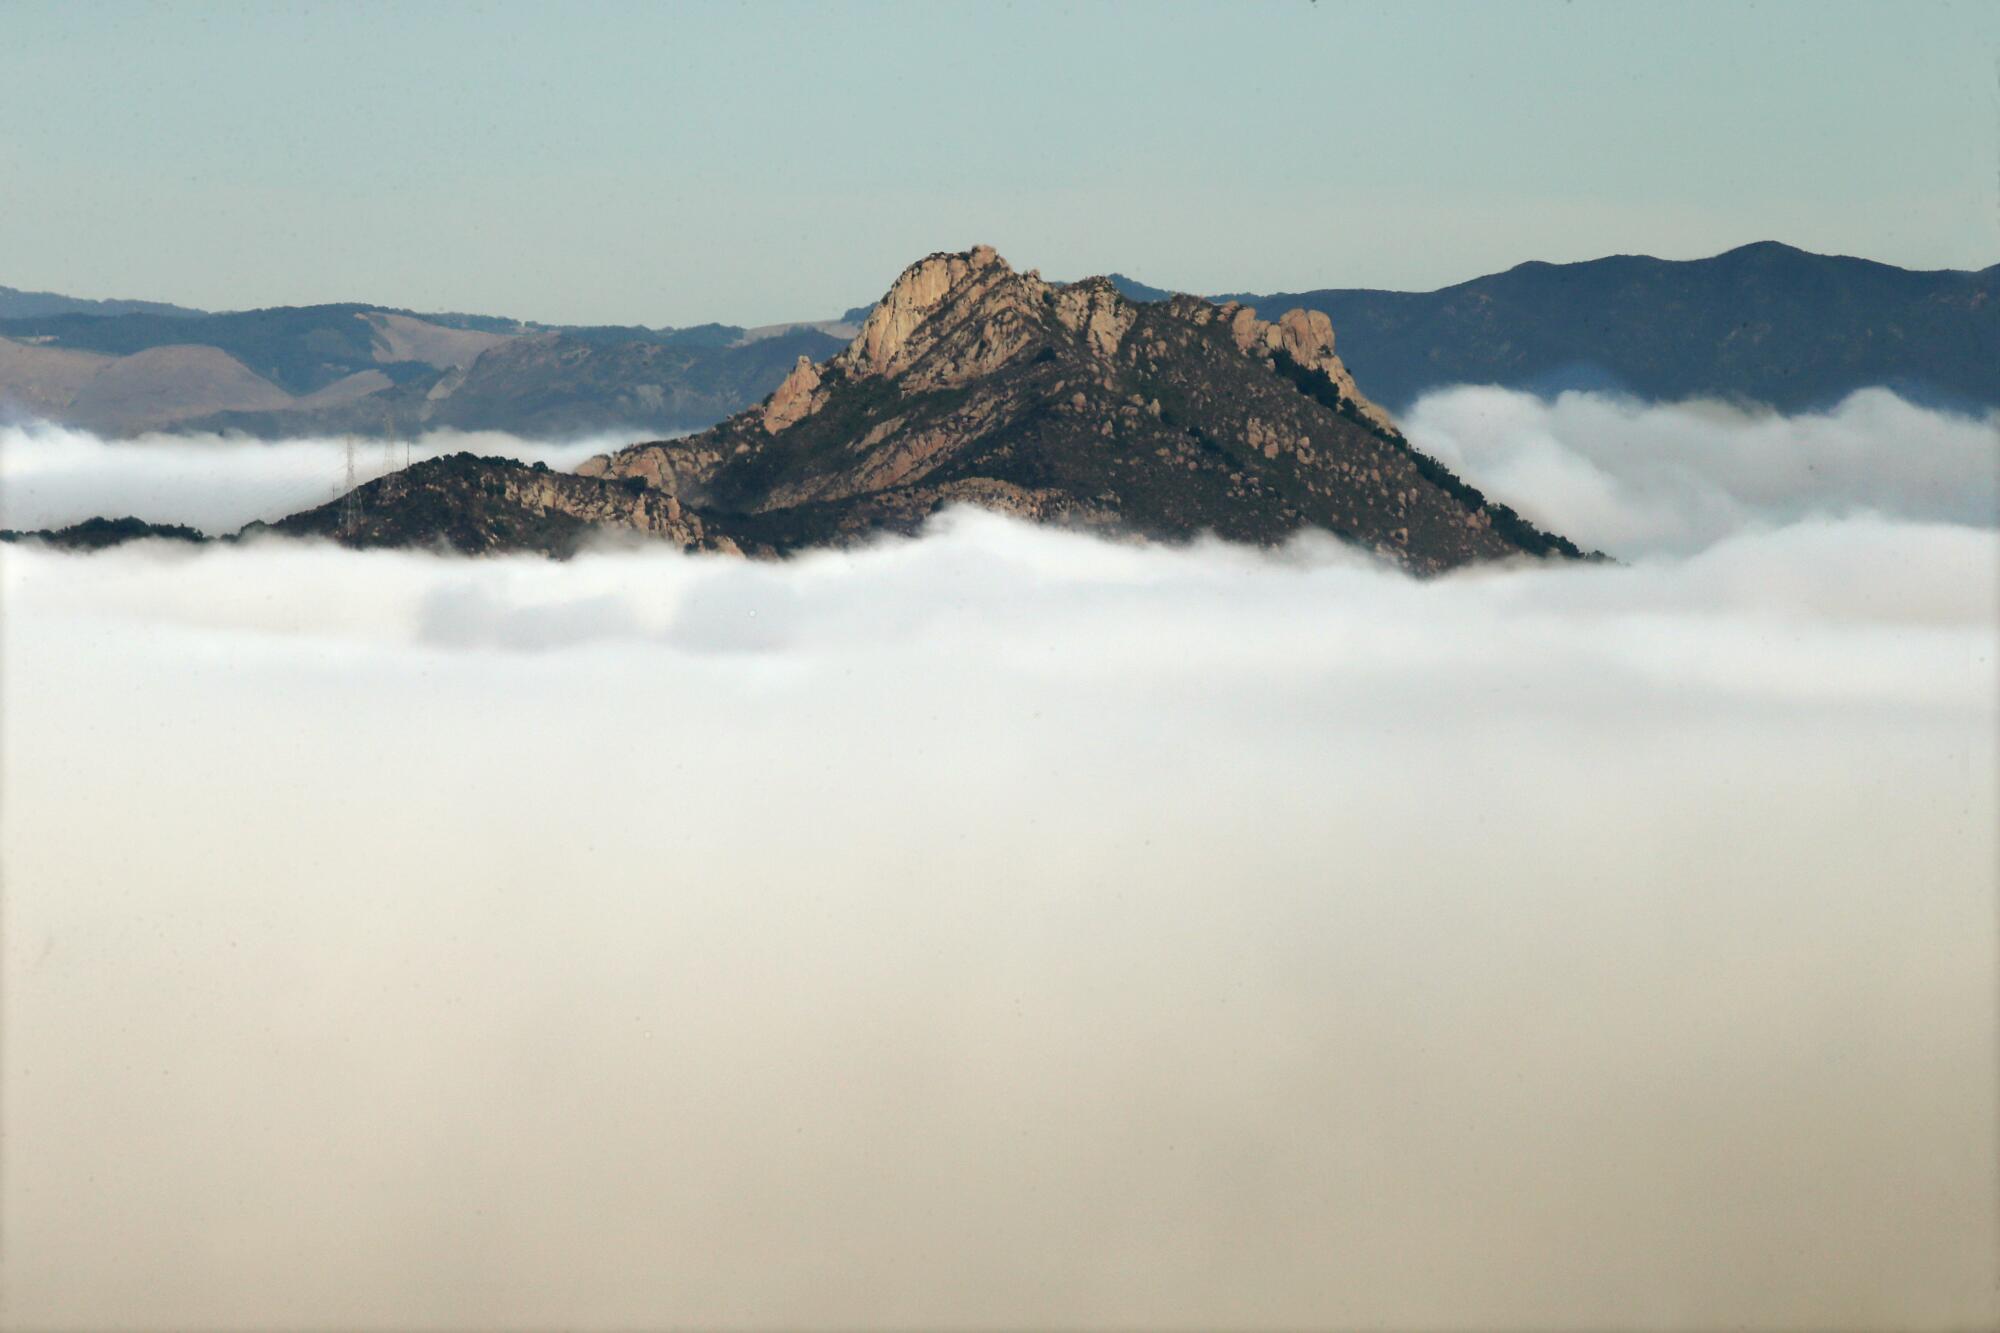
column 969, row 382
column 793, row 398
column 481, row 505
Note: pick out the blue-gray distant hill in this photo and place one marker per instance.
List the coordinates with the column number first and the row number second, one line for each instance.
column 1762, row 324
column 339, row 369
column 1765, row 323
column 17, row 304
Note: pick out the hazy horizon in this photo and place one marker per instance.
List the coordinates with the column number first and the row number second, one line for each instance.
column 647, row 165
column 1137, row 277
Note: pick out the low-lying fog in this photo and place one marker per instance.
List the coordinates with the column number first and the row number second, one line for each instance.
column 52, row 476
column 1605, row 471
column 1005, row 928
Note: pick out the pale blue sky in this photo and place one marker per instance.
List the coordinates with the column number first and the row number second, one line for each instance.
column 674, row 164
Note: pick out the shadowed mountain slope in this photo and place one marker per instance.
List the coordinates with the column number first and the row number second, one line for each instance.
column 972, row 383
column 1765, row 323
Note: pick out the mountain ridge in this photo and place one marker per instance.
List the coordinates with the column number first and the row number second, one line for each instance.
column 972, row 382
column 18, row 304
column 1766, row 324
column 1763, row 324
column 969, row 382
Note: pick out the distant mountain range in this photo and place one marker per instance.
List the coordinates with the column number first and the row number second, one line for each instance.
column 1764, row 324
column 972, row 383
column 346, row 369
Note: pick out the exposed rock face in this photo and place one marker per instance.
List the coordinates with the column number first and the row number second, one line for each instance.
column 792, row 399
column 1306, row 336
column 972, row 383
column 884, row 345
column 1094, row 309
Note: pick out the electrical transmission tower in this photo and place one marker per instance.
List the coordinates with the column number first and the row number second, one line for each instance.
column 350, row 500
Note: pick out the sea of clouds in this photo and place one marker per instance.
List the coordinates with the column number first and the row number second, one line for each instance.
column 1609, row 472
column 1005, row 927
column 53, row 475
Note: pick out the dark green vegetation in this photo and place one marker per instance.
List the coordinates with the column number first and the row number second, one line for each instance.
column 94, row 534
column 459, row 502
column 1505, row 521
column 1764, row 324
column 480, row 506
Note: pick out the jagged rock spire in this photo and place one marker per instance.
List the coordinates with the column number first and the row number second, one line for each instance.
column 794, row 398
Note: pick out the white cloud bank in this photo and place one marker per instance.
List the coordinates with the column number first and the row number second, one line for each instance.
column 1006, row 928
column 1625, row 477
column 1635, row 478
column 52, row 476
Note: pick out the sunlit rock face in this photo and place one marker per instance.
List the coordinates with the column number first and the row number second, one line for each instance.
column 970, row 382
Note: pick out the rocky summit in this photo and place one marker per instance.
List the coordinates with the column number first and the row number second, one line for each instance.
column 971, row 383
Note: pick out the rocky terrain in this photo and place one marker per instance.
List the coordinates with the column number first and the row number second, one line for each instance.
column 484, row 506
column 971, row 383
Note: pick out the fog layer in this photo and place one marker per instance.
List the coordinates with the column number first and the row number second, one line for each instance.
column 1631, row 477
column 52, row 476
column 1003, row 929
column 1612, row 473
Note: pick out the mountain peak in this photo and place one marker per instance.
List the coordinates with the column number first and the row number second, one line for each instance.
column 1764, row 250
column 972, row 383
column 933, row 281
